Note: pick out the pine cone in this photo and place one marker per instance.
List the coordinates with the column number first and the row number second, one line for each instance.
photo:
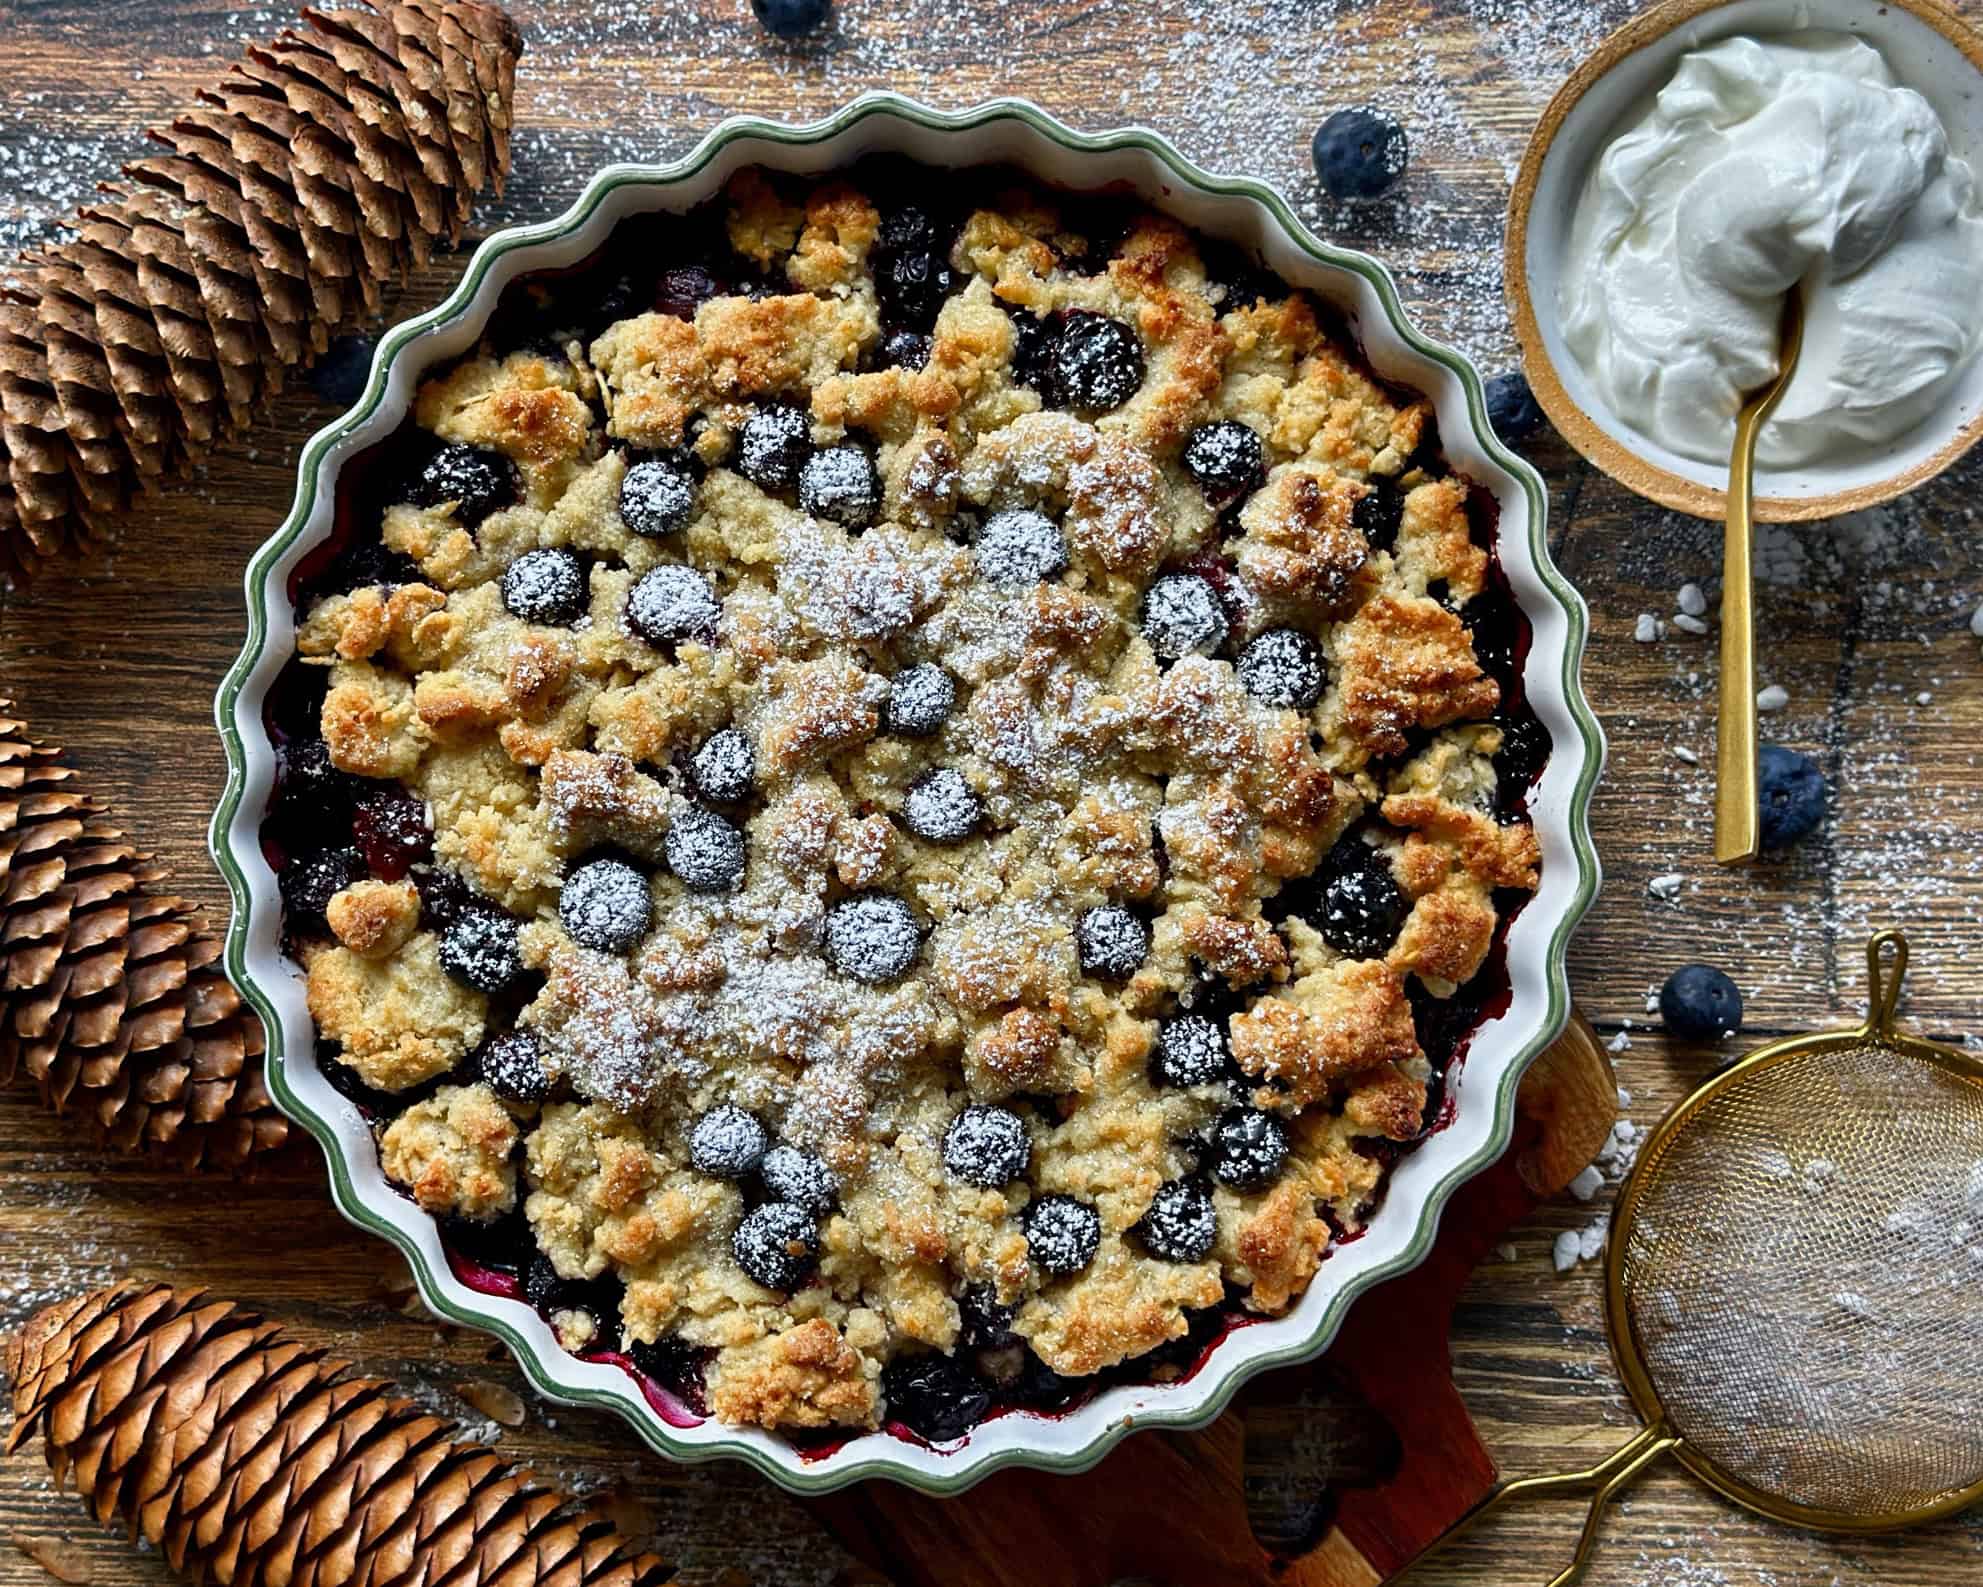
column 325, row 163
column 110, row 993
column 256, row 1462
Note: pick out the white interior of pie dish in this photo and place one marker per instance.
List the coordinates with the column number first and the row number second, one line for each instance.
column 1018, row 134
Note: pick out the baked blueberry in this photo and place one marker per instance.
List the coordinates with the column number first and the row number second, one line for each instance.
column 1111, row 942
column 1062, row 1234
column 987, row 1146
column 606, row 904
column 390, row 829
column 839, row 483
column 546, row 586
column 933, row 1396
column 340, row 376
column 599, row 1297
column 1097, row 362
column 704, row 850
column 920, row 699
column 791, row 19
column 1359, row 153
column 673, row 602
column 797, row 1176
column 776, row 1244
column 480, row 950
column 309, row 884
column 872, row 937
column 682, row 289
column 1190, row 1051
column 1379, row 513
column 1032, row 353
column 725, row 768
column 310, row 786
column 657, row 496
column 727, row 1142
column 941, row 807
column 904, row 349
column 1180, row 1224
column 1225, row 458
column 1792, row 795
column 911, row 276
column 984, row 1322
column 1699, row 1003
column 1183, row 616
column 1249, row 1149
column 773, row 446
column 512, row 1066
column 1282, row 667
column 1361, row 909
column 1511, row 406
column 475, row 481
column 1020, row 546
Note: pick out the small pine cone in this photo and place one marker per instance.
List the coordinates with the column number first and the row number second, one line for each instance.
column 111, row 996
column 253, row 1461
column 327, row 162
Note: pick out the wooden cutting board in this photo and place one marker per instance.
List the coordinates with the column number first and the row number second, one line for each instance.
column 1170, row 1508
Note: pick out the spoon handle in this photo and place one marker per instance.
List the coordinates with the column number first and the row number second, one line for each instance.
column 1737, row 819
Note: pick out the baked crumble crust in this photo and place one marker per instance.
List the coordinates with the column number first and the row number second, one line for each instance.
column 1140, row 820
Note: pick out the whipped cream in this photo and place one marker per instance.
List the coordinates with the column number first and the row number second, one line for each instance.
column 1766, row 163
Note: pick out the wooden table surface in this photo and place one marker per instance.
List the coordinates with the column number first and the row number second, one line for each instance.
column 1865, row 623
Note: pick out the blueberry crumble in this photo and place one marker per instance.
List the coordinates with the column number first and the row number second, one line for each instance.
column 895, row 807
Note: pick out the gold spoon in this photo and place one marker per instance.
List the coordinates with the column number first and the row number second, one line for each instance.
column 1737, row 821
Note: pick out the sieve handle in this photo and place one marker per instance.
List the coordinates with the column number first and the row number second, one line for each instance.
column 1882, row 989
column 1601, row 1481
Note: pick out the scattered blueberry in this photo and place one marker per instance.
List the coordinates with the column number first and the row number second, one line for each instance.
column 1282, row 667
column 920, row 699
column 682, row 290
column 872, row 937
column 657, row 496
column 309, row 884
column 1379, row 514
column 1511, row 407
column 799, row 1177
column 727, row 1142
column 776, row 1244
column 1362, row 908
column 1359, row 153
column 1097, row 362
column 1020, row 546
column 1699, row 1003
column 479, row 950
column 1191, row 1051
column 941, row 807
column 1249, row 1148
column 839, row 483
column 1180, row 1224
column 725, row 768
column 933, row 1396
column 390, row 829
column 987, row 1146
column 791, row 19
column 1062, row 1234
column 606, row 905
column 773, row 446
column 546, row 587
column 673, row 602
column 1224, row 458
column 1183, row 616
column 477, row 482
column 1112, row 943
column 340, row 376
column 512, row 1066
column 704, row 850
column 1792, row 795
column 904, row 349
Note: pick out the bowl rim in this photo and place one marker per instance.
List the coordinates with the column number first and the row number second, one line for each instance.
column 1076, row 1440
column 1597, row 444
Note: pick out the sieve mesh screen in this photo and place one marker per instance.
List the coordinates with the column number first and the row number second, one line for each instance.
column 1803, row 1280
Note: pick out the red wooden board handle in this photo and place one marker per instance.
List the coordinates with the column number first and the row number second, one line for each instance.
column 1171, row 1507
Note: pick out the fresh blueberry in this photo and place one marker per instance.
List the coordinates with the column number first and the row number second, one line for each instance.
column 725, row 768
column 1362, row 909
column 606, row 905
column 1020, row 546
column 480, row 950
column 309, row 884
column 872, row 937
column 987, row 1146
column 1791, row 793
column 475, row 481
column 941, row 807
column 1183, row 616
column 1359, row 153
column 1511, row 407
column 776, row 1244
column 1111, row 942
column 727, row 1142
column 546, row 587
column 839, row 483
column 1180, row 1224
column 673, row 602
column 773, row 446
column 1282, row 667
column 1191, row 1051
column 792, row 19
column 704, row 850
column 920, row 699
column 512, row 1066
column 1224, row 458
column 339, row 377
column 1097, row 362
column 1249, row 1149
column 1062, row 1234
column 799, row 1177
column 1699, row 1003
column 933, row 1396
column 657, row 497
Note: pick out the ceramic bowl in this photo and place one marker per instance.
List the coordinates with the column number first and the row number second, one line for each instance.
column 1483, row 1089
column 1930, row 48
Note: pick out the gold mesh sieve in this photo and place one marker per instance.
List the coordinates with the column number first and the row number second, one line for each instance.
column 1793, row 1283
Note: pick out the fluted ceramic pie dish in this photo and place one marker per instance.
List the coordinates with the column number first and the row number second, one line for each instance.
column 1475, row 1124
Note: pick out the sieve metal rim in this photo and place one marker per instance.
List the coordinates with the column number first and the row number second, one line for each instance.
column 1877, row 1030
